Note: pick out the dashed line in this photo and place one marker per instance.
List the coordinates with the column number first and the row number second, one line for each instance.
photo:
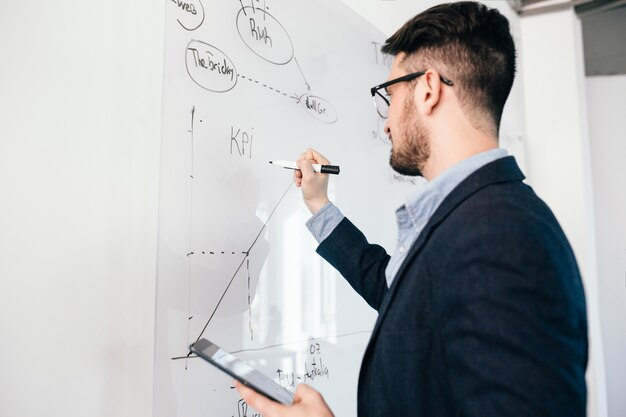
column 265, row 85
column 222, row 252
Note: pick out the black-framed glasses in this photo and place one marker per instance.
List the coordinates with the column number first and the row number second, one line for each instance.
column 381, row 100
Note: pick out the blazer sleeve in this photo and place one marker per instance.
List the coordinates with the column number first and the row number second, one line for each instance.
column 362, row 264
column 514, row 332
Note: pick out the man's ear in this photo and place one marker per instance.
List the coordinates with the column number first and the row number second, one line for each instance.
column 428, row 92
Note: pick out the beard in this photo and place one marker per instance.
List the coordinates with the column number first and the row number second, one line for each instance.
column 409, row 156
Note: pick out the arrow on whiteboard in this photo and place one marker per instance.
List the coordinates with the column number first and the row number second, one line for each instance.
column 308, row 87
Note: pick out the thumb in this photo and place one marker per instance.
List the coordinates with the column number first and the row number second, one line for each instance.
column 317, row 157
column 306, row 168
column 305, row 393
column 259, row 402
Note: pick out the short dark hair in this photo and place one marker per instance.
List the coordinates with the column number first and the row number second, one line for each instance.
column 470, row 44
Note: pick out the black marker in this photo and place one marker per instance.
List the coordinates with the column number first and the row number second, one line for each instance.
column 323, row 169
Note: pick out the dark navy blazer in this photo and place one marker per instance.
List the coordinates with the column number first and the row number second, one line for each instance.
column 486, row 316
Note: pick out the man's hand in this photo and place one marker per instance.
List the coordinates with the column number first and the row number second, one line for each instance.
column 307, row 403
column 314, row 185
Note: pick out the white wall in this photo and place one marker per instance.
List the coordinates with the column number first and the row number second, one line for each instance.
column 80, row 94
column 607, row 129
column 558, row 162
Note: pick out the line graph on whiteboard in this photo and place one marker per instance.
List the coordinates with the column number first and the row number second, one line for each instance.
column 245, row 259
column 244, row 255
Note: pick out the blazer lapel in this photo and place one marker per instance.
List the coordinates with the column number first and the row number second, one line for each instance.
column 499, row 171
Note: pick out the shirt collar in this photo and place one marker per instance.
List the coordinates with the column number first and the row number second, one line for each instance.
column 421, row 204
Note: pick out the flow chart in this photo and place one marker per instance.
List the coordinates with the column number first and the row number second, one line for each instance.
column 212, row 69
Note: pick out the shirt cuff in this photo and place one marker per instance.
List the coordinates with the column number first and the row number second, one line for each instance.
column 322, row 224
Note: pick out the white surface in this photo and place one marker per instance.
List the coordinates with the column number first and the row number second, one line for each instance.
column 80, row 94
column 558, row 160
column 607, row 125
column 254, row 287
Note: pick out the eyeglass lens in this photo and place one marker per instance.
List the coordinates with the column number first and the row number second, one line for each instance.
column 382, row 106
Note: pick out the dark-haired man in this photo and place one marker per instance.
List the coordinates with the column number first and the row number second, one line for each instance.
column 481, row 306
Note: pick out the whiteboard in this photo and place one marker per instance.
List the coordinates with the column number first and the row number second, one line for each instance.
column 246, row 83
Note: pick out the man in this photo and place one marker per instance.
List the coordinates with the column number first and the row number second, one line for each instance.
column 481, row 306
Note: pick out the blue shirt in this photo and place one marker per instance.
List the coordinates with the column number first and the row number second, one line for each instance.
column 415, row 213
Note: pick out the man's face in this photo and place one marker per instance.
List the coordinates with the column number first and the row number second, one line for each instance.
column 410, row 143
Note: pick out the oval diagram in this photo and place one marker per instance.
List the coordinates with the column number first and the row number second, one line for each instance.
column 264, row 35
column 209, row 67
column 319, row 108
column 189, row 13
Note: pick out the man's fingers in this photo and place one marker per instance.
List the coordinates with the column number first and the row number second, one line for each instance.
column 313, row 400
column 297, row 178
column 259, row 402
column 314, row 186
column 305, row 167
column 312, row 154
column 305, row 392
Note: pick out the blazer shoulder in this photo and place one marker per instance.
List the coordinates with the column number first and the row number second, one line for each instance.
column 506, row 202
